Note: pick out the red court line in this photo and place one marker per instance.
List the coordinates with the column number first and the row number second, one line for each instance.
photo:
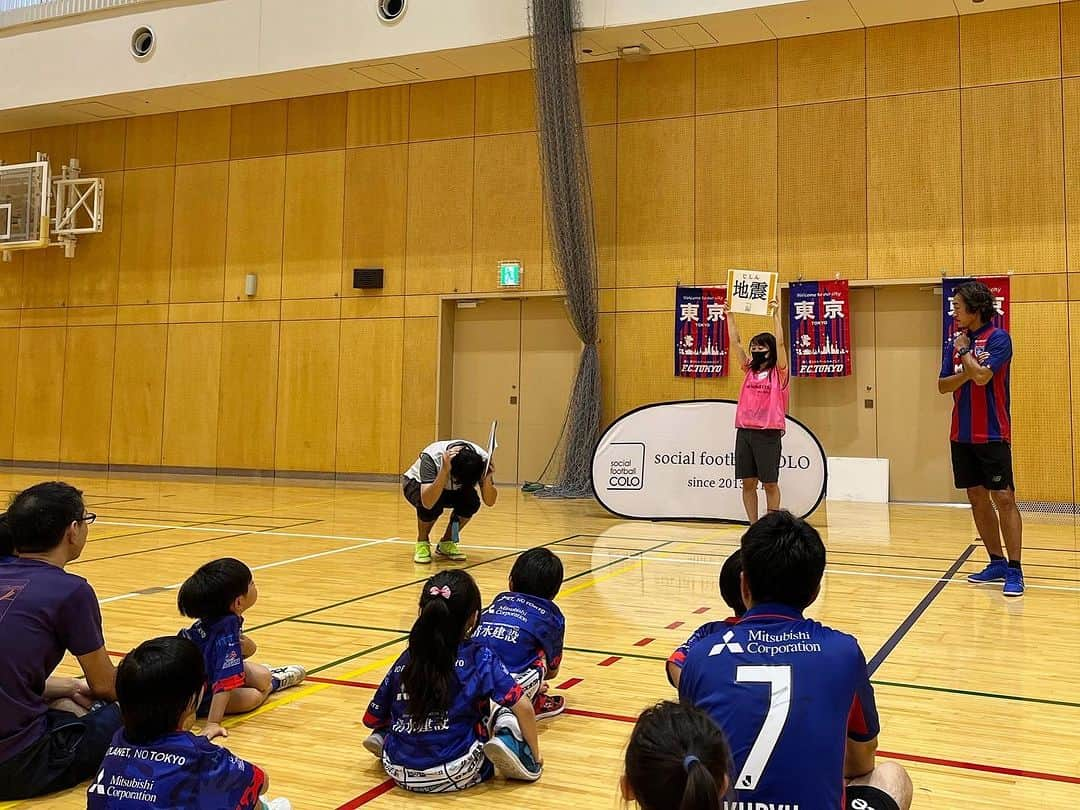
column 644, row 642
column 364, row 798
column 607, row 662
column 620, row 718
column 569, row 683
column 314, row 679
column 673, row 625
column 702, row 610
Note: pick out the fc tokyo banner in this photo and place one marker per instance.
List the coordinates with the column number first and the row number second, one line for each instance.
column 820, row 329
column 999, row 288
column 701, row 340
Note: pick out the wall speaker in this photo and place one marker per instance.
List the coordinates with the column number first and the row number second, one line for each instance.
column 367, row 278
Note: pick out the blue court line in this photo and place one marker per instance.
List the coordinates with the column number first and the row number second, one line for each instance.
column 917, row 612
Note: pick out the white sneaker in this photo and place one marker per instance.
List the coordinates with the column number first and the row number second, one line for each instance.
column 277, row 804
column 288, row 676
column 374, row 743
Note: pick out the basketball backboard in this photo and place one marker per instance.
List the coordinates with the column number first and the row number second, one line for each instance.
column 24, row 205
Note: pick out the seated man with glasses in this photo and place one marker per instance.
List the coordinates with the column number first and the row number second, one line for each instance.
column 54, row 731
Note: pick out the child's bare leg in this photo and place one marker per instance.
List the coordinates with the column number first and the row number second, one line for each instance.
column 255, row 691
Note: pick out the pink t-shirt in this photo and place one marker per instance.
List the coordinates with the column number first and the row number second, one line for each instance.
column 763, row 401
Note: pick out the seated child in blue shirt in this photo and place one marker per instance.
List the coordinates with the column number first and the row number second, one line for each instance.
column 153, row 761
column 432, row 719
column 525, row 628
column 217, row 595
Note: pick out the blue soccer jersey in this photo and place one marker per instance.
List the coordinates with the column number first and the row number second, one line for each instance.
column 981, row 414
column 788, row 693
column 177, row 770
column 219, row 642
column 678, row 658
column 523, row 631
column 421, row 743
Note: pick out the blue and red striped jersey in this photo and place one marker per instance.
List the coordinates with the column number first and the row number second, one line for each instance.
column 219, row 642
column 981, row 413
column 788, row 692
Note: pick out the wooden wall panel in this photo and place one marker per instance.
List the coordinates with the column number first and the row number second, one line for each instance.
column 11, row 282
column 443, row 109
column 317, row 123
column 505, row 102
column 307, row 396
column 439, row 232
column 913, row 57
column 379, row 116
column 258, row 130
column 248, row 395
column 822, row 191
column 822, row 67
column 736, row 77
column 45, row 278
column 1044, row 468
column 88, row 390
column 598, row 85
column 9, row 347
column 369, row 396
column 507, row 209
column 914, row 197
column 660, row 87
column 200, row 213
column 314, row 207
column 256, row 216
column 1070, row 38
column 1071, row 108
column 655, row 203
column 151, row 141
column 138, row 394
column 1074, row 348
column 735, row 182
column 603, row 167
column 204, row 135
column 1014, row 45
column 418, row 393
column 608, row 408
column 644, row 361
column 59, row 143
column 15, row 146
column 376, row 183
column 39, row 385
column 1014, row 217
column 192, row 375
column 146, row 236
column 95, row 270
column 101, row 146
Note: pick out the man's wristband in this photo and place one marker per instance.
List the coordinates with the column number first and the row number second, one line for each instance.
column 962, row 352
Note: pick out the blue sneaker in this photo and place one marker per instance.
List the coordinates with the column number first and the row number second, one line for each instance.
column 996, row 571
column 511, row 756
column 1014, row 582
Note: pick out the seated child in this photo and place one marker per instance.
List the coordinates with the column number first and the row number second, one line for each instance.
column 731, row 591
column 153, row 761
column 217, row 595
column 431, row 717
column 525, row 628
column 677, row 759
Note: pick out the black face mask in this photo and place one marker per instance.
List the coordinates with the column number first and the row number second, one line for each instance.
column 759, row 357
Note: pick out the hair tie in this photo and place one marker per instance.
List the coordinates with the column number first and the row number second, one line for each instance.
column 444, row 591
column 689, row 760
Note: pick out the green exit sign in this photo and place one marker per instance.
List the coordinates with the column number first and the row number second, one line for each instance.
column 509, row 274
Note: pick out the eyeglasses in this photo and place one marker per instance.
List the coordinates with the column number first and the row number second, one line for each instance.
column 88, row 518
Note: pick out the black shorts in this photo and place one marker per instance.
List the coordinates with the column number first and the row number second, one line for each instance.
column 982, row 465
column 464, row 503
column 865, row 797
column 757, row 454
column 71, row 751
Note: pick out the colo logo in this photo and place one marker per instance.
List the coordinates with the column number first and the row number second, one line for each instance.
column 626, row 470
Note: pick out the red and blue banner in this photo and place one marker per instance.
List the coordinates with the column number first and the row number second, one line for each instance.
column 701, row 338
column 999, row 288
column 820, row 321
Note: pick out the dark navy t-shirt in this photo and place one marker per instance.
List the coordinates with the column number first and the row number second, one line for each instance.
column 179, row 770
column 523, row 630
column 426, row 742
column 788, row 692
column 44, row 612
column 219, row 642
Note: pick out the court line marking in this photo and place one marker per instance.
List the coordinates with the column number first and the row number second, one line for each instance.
column 364, row 798
column 637, row 555
column 917, row 612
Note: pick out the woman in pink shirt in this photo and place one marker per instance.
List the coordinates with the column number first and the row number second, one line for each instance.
column 760, row 417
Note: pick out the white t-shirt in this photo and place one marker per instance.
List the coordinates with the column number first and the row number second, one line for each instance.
column 426, row 468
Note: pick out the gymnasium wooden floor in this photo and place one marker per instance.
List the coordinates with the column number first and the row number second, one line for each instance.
column 980, row 698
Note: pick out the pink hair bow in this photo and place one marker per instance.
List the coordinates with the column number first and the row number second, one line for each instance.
column 444, row 591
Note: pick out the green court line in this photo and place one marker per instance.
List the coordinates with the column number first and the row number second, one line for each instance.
column 397, row 630
column 973, row 693
column 360, row 654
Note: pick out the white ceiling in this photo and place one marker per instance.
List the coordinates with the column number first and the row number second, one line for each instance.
column 767, row 22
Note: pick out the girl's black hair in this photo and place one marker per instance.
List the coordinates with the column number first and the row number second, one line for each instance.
column 768, row 340
column 157, row 682
column 7, row 539
column 677, row 759
column 449, row 604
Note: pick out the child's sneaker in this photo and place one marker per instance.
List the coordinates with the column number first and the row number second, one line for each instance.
column 1014, row 582
column 374, row 743
column 450, row 550
column 285, row 677
column 422, row 555
column 549, row 706
column 994, row 572
column 276, row 804
column 510, row 754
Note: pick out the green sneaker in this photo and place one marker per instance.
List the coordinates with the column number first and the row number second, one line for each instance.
column 450, row 550
column 423, row 554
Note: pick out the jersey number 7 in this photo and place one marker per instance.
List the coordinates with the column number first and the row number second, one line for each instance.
column 779, row 681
